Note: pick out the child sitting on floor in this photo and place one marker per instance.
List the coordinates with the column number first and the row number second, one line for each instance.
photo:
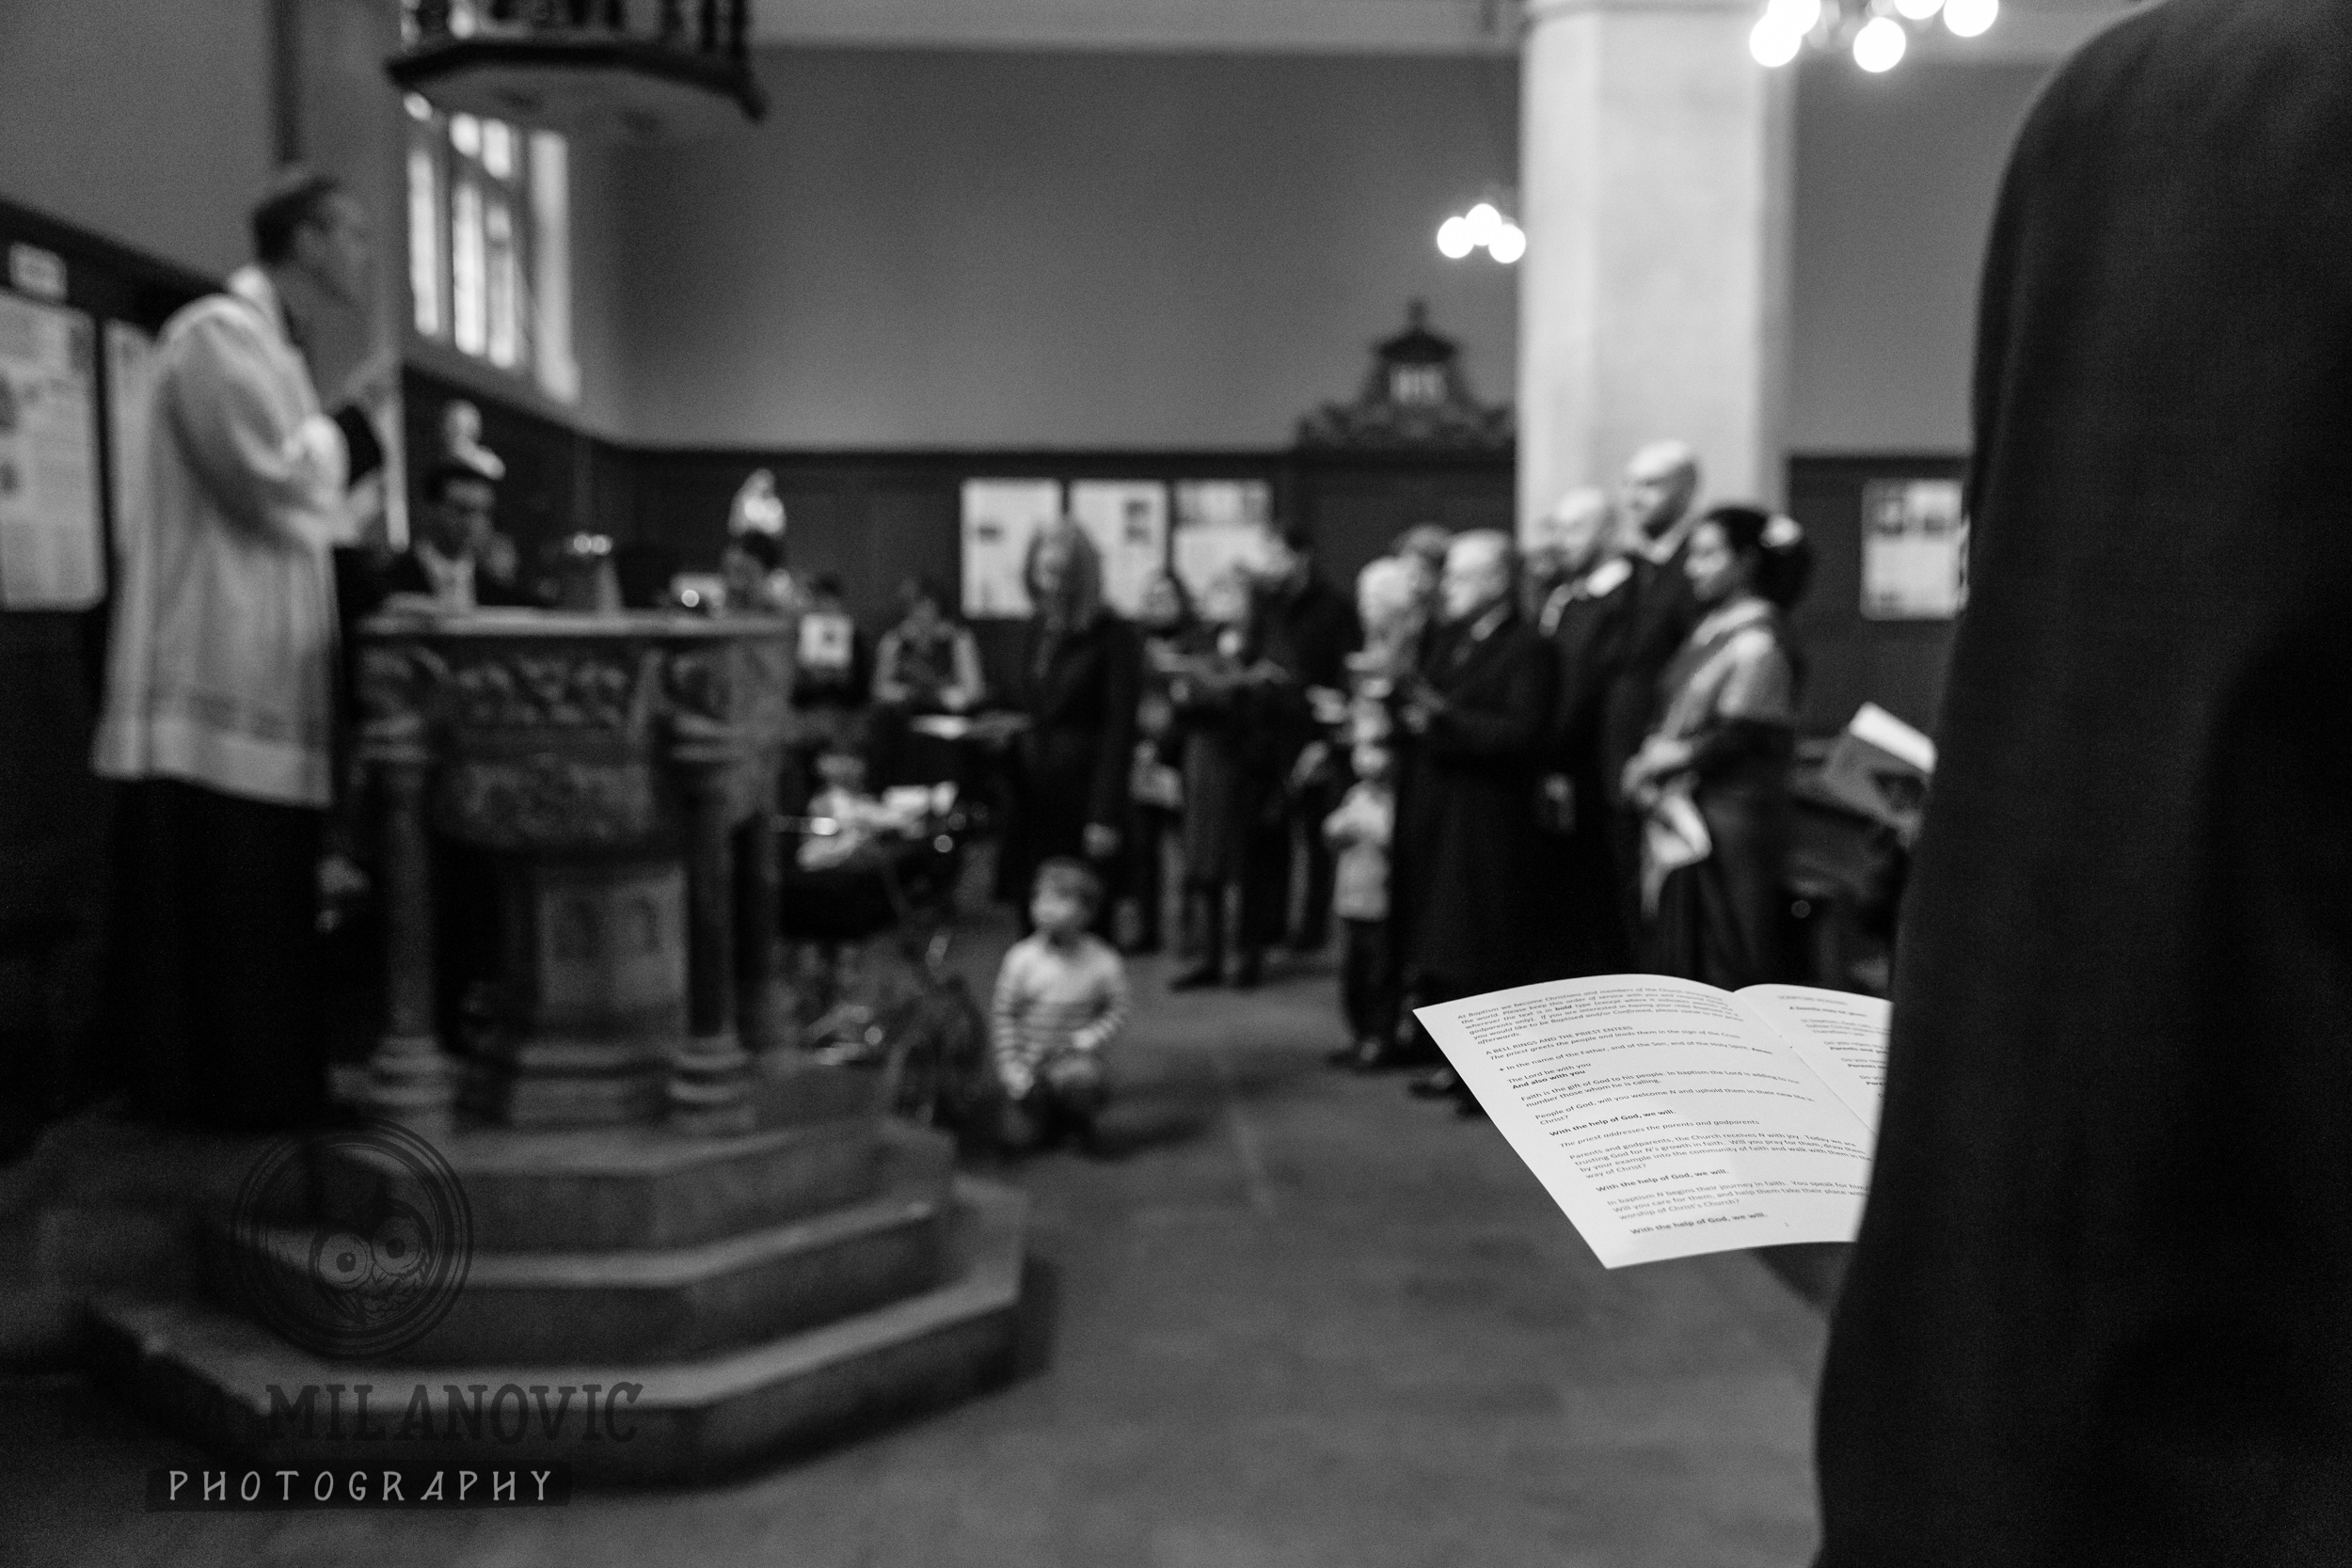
column 1061, row 998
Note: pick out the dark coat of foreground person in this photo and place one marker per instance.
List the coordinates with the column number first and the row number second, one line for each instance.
column 2101, row 1308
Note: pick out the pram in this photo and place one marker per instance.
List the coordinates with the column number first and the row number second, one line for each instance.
column 919, row 1026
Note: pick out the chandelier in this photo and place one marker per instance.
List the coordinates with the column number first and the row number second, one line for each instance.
column 1483, row 227
column 581, row 66
column 1876, row 32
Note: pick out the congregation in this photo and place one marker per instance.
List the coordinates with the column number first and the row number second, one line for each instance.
column 1490, row 767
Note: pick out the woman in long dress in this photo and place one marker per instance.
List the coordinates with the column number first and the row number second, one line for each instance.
column 1711, row 779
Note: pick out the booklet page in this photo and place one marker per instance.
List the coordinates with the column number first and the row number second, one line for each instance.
column 1663, row 1118
column 1840, row 1036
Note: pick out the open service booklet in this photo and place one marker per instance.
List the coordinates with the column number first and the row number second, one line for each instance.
column 1668, row 1118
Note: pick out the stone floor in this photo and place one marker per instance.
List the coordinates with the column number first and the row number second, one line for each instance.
column 1294, row 1319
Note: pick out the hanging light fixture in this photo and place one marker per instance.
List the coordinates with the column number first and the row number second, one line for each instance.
column 1483, row 227
column 1877, row 33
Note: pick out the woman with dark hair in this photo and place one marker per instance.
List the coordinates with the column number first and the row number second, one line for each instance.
column 1711, row 779
column 1080, row 678
column 928, row 663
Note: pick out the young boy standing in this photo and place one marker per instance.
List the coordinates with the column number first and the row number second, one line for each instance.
column 1061, row 998
column 1360, row 830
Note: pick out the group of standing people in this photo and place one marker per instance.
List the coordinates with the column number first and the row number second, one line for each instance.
column 1501, row 767
column 1570, row 762
column 1195, row 723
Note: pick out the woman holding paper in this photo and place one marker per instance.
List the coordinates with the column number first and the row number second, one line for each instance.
column 1711, row 779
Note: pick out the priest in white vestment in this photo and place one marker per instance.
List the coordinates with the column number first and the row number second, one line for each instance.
column 220, row 683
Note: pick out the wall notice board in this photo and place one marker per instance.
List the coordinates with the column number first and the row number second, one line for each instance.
column 51, row 522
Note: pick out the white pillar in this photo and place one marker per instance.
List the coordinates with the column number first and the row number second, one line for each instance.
column 1654, row 187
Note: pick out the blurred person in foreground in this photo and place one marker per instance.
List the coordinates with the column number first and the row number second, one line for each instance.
column 2100, row 1312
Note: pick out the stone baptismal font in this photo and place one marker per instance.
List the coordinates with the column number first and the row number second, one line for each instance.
column 626, row 1225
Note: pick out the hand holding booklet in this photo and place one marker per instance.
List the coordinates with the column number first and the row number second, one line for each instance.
column 1669, row 1118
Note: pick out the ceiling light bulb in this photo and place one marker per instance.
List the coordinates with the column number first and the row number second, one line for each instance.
column 1968, row 17
column 1918, row 11
column 1879, row 45
column 1798, row 16
column 1484, row 223
column 1509, row 244
column 1454, row 239
column 1774, row 43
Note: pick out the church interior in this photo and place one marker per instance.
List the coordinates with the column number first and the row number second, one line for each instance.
column 685, row 816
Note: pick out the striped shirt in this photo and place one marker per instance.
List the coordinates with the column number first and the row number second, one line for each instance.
column 1051, row 999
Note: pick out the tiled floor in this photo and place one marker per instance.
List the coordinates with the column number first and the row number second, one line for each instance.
column 1299, row 1320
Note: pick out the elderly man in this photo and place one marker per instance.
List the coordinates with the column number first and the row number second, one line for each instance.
column 1475, row 719
column 220, row 681
column 1657, row 511
column 1587, row 617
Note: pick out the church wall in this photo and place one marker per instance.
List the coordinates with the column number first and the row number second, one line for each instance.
column 1077, row 250
column 150, row 123
column 1895, row 181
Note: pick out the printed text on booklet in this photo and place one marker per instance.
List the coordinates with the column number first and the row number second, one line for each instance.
column 1668, row 1118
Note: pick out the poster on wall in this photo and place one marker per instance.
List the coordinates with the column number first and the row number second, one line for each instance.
column 51, row 527
column 999, row 517
column 1222, row 525
column 1127, row 520
column 130, row 401
column 1915, row 549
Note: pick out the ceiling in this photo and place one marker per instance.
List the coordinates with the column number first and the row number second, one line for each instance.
column 2029, row 29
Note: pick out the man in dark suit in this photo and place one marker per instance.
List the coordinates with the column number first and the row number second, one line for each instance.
column 1476, row 723
column 1587, row 617
column 2101, row 1308
column 1657, row 511
column 453, row 560
column 1302, row 630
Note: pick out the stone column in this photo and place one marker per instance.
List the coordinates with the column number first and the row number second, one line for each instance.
column 1654, row 187
column 758, row 872
column 709, row 1089
column 409, row 1080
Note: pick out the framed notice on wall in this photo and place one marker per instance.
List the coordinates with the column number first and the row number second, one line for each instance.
column 1915, row 549
column 1000, row 515
column 1127, row 520
column 1222, row 525
column 51, row 527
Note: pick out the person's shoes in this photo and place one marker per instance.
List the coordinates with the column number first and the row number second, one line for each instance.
column 1437, row 1084
column 1142, row 947
column 1466, row 1107
column 1247, row 973
column 1195, row 978
column 1351, row 1054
